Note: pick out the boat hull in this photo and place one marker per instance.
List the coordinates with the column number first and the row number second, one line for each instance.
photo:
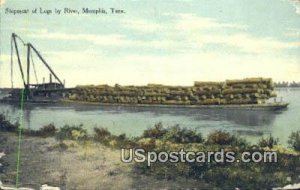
column 267, row 106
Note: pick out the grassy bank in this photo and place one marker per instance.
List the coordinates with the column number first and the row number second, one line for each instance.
column 158, row 138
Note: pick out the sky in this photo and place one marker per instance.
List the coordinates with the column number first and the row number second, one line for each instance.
column 165, row 42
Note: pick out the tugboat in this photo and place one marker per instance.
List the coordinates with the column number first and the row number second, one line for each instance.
column 40, row 93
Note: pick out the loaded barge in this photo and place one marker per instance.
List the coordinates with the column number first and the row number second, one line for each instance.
column 249, row 93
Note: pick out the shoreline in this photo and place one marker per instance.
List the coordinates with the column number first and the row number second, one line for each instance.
column 90, row 166
column 71, row 158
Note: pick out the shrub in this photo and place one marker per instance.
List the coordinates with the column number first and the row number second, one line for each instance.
column 6, row 125
column 78, row 135
column 230, row 177
column 46, row 131
column 294, row 140
column 156, row 132
column 221, row 138
column 72, row 132
column 122, row 137
column 102, row 135
column 176, row 134
column 268, row 142
column 173, row 134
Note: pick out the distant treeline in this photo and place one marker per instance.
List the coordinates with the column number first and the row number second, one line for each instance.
column 287, row 84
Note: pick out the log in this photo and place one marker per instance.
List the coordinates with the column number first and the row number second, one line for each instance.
column 179, row 93
column 154, row 94
column 241, row 101
column 203, row 97
column 233, row 91
column 126, row 93
column 241, row 91
column 207, row 93
column 208, row 83
column 211, row 101
column 239, row 86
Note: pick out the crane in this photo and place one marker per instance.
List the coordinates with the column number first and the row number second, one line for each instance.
column 30, row 49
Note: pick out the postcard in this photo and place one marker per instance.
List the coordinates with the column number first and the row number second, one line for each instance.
column 181, row 94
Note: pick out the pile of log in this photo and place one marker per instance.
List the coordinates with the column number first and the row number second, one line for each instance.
column 245, row 91
column 249, row 91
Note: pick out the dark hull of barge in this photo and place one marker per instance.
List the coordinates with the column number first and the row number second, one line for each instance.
column 266, row 106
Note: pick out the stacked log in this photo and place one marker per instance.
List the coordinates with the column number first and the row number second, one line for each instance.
column 245, row 91
column 249, row 90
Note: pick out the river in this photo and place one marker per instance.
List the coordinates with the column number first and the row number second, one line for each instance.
column 133, row 120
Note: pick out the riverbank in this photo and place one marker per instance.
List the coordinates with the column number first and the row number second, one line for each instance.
column 70, row 158
column 74, row 165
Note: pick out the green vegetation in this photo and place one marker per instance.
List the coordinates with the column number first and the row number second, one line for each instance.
column 173, row 134
column 6, row 125
column 226, row 175
column 103, row 136
column 225, row 138
column 46, row 131
column 268, row 142
column 294, row 140
column 156, row 132
column 72, row 132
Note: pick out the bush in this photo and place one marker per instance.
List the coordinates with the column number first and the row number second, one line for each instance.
column 268, row 142
column 225, row 138
column 72, row 132
column 176, row 134
column 294, row 140
column 6, row 125
column 156, row 132
column 230, row 177
column 102, row 135
column 122, row 137
column 47, row 131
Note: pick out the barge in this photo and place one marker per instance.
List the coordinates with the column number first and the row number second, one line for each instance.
column 248, row 93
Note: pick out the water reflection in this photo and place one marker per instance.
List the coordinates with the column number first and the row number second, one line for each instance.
column 134, row 120
column 240, row 117
column 249, row 118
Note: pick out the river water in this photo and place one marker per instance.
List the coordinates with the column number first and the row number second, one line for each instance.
column 133, row 120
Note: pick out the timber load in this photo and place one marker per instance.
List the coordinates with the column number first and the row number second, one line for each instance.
column 244, row 91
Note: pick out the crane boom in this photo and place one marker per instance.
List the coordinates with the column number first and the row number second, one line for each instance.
column 46, row 64
column 29, row 48
column 14, row 36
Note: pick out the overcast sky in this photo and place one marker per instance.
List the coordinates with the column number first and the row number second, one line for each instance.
column 169, row 42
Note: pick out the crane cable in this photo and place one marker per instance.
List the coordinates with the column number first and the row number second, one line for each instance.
column 11, row 63
column 20, row 40
column 36, row 78
column 11, row 58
